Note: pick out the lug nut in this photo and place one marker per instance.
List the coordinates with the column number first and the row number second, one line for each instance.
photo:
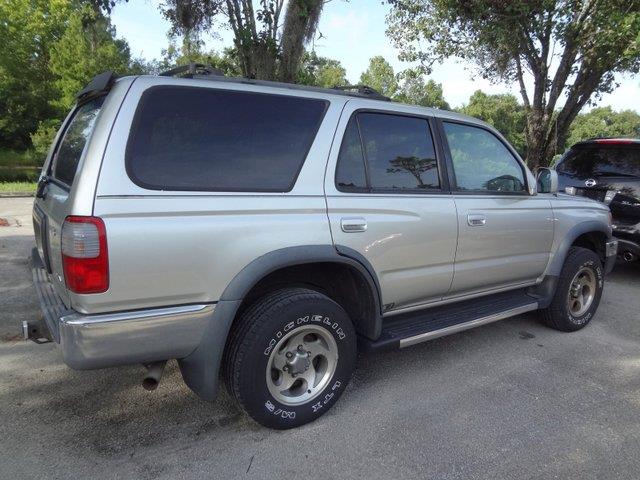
column 289, row 354
column 300, row 348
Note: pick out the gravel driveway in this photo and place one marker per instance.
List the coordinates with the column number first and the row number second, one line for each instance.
column 508, row 400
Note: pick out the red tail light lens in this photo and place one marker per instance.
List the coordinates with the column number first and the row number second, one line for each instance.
column 84, row 255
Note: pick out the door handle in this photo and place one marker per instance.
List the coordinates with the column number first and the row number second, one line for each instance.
column 350, row 225
column 476, row 220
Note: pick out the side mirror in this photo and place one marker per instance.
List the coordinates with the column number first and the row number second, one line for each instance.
column 547, row 181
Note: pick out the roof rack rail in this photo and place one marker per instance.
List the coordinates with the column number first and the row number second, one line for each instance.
column 192, row 69
column 200, row 71
column 362, row 90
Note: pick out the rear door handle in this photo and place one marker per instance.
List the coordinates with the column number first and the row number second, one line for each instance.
column 476, row 220
column 351, row 225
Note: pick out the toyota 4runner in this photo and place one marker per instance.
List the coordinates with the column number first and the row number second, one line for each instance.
column 267, row 232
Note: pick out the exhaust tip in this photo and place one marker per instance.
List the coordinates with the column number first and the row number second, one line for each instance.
column 154, row 373
column 150, row 384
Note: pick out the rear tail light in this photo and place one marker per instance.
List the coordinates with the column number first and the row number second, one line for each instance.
column 84, row 255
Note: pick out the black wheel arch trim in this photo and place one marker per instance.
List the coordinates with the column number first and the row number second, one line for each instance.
column 592, row 226
column 200, row 368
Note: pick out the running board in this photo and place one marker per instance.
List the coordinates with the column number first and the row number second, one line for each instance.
column 416, row 327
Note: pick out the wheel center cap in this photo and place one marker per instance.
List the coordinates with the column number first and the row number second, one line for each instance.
column 298, row 362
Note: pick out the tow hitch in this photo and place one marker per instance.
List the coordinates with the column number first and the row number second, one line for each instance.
column 33, row 331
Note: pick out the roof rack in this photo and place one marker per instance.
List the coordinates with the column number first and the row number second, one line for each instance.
column 362, row 90
column 207, row 72
column 192, row 69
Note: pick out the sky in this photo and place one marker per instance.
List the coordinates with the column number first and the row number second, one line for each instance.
column 352, row 32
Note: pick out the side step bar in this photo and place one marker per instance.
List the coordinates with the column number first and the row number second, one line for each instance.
column 420, row 326
column 423, row 337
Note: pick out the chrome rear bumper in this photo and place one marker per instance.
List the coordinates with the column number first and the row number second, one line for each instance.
column 120, row 338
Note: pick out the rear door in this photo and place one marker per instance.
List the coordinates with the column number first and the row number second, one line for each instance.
column 53, row 202
column 389, row 201
column 505, row 234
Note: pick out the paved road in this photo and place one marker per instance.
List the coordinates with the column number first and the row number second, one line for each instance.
column 510, row 400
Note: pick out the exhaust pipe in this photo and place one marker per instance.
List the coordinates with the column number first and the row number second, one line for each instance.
column 154, row 374
column 628, row 256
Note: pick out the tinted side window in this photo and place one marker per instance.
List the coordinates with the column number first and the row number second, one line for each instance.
column 350, row 173
column 188, row 138
column 589, row 161
column 75, row 138
column 399, row 151
column 481, row 161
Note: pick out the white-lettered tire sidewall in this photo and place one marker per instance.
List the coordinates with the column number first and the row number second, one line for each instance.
column 261, row 405
column 586, row 317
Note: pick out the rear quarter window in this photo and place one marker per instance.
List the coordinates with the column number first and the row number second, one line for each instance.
column 190, row 138
column 74, row 140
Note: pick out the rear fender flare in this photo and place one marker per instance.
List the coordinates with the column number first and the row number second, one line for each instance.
column 200, row 369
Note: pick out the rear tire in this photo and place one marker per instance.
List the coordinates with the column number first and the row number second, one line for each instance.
column 578, row 292
column 290, row 357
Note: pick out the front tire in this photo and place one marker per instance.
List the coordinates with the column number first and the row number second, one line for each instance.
column 290, row 357
column 578, row 292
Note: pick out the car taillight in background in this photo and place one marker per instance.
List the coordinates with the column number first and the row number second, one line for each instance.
column 84, row 255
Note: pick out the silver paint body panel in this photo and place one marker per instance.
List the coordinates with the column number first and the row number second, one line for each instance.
column 168, row 249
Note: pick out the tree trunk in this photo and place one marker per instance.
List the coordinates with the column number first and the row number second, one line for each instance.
column 300, row 25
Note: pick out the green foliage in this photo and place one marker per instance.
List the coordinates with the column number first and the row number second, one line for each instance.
column 28, row 29
column 188, row 52
column 321, row 71
column 17, row 188
column 50, row 50
column 380, row 76
column 42, row 139
column 18, row 166
column 604, row 122
column 416, row 91
column 502, row 111
column 571, row 48
column 268, row 35
column 87, row 47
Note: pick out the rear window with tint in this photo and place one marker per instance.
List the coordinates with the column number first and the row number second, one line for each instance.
column 67, row 157
column 188, row 138
column 589, row 161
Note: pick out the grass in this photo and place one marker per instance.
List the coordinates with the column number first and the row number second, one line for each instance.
column 17, row 188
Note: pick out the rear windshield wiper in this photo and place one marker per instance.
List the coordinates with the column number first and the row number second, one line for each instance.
column 42, row 183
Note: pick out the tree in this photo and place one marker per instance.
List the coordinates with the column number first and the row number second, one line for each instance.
column 321, row 71
column 415, row 91
column 380, row 76
column 570, row 49
column 604, row 122
column 87, row 47
column 504, row 112
column 266, row 47
column 181, row 55
column 28, row 28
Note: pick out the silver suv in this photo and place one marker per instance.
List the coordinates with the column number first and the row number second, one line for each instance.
column 268, row 232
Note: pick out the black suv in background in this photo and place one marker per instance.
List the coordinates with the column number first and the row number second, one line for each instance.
column 608, row 170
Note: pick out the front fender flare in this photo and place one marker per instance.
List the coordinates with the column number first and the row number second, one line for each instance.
column 557, row 260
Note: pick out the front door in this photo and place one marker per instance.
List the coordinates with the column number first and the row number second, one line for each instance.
column 388, row 201
column 505, row 234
